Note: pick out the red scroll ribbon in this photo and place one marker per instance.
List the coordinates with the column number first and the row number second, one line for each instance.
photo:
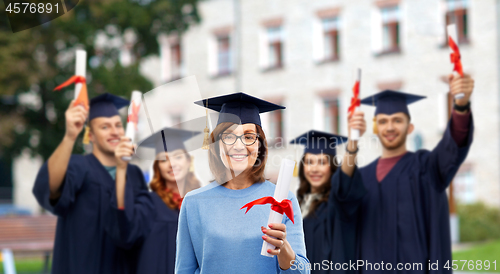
column 283, row 207
column 355, row 101
column 134, row 116
column 83, row 98
column 455, row 57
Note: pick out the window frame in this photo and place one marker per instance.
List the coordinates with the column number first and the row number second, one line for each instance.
column 228, row 68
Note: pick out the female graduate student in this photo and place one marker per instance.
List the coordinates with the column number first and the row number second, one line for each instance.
column 172, row 179
column 330, row 234
column 214, row 235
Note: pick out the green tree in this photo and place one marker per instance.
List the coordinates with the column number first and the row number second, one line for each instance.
column 34, row 61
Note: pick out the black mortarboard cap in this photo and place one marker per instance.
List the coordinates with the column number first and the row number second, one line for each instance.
column 317, row 142
column 239, row 108
column 390, row 101
column 106, row 105
column 168, row 139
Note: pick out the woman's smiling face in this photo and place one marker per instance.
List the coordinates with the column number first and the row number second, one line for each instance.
column 238, row 157
column 317, row 170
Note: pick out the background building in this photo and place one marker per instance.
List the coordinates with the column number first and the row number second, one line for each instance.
column 303, row 54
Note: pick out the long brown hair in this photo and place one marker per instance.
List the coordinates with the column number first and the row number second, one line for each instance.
column 159, row 184
column 218, row 168
column 305, row 186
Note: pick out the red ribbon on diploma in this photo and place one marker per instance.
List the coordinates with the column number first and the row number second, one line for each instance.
column 134, row 116
column 455, row 57
column 355, row 101
column 283, row 207
column 83, row 97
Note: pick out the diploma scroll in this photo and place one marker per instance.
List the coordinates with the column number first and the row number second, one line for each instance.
column 280, row 193
column 452, row 33
column 80, row 68
column 354, row 133
column 132, row 118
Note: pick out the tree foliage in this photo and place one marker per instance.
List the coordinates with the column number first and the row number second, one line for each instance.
column 34, row 61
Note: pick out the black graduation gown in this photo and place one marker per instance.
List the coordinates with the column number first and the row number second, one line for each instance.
column 405, row 218
column 157, row 253
column 330, row 232
column 92, row 235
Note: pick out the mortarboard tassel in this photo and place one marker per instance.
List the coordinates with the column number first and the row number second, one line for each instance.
column 191, row 166
column 206, row 131
column 295, row 171
column 86, row 139
column 375, row 128
column 205, row 139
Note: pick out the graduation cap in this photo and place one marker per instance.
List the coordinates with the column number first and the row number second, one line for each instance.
column 104, row 105
column 390, row 102
column 240, row 105
column 238, row 108
column 168, row 139
column 317, row 142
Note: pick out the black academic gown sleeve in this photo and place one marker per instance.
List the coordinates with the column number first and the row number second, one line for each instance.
column 76, row 175
column 83, row 242
column 330, row 232
column 157, row 252
column 442, row 163
column 405, row 217
column 346, row 195
column 129, row 225
column 438, row 168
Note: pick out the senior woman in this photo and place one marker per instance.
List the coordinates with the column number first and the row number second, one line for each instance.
column 214, row 235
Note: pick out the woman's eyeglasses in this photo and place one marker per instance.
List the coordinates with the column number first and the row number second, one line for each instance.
column 247, row 139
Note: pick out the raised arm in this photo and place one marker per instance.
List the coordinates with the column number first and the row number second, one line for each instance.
column 443, row 161
column 58, row 162
column 131, row 211
column 124, row 149
column 355, row 121
column 347, row 184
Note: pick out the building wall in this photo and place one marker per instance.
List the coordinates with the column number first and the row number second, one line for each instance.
column 25, row 169
column 422, row 63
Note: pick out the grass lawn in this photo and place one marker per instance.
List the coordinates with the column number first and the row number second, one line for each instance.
column 27, row 266
column 488, row 251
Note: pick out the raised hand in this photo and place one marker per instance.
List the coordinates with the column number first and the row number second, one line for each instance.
column 357, row 121
column 461, row 84
column 75, row 120
column 124, row 149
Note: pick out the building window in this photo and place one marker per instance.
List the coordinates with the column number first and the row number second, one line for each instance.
column 172, row 67
column 456, row 13
column 275, row 47
column 175, row 61
column 330, row 38
column 276, row 126
column 390, row 29
column 223, row 55
column 332, row 117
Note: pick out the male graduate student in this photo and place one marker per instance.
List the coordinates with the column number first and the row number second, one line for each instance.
column 404, row 217
column 95, row 228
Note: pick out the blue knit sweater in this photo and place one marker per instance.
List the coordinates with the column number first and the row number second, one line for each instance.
column 215, row 236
